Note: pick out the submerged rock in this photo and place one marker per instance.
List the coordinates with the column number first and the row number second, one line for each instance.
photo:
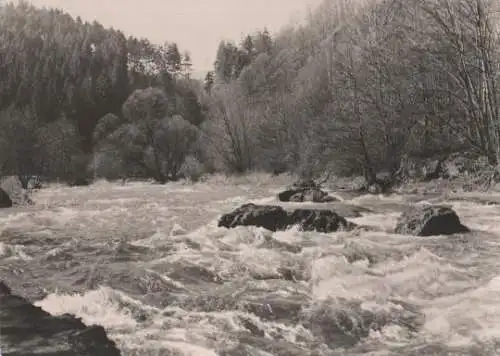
column 28, row 330
column 319, row 220
column 303, row 191
column 177, row 230
column 429, row 221
column 5, row 201
column 276, row 218
column 343, row 323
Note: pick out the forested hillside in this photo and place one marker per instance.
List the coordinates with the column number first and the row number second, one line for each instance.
column 354, row 89
column 60, row 76
column 359, row 86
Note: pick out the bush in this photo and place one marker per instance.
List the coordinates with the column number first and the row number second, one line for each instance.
column 192, row 169
column 78, row 173
column 107, row 163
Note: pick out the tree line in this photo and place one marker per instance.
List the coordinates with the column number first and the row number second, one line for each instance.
column 360, row 86
column 354, row 89
column 63, row 82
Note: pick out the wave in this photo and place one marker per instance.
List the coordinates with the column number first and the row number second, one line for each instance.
column 150, row 264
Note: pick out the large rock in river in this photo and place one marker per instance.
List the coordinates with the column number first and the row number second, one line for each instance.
column 13, row 186
column 270, row 217
column 5, row 201
column 276, row 218
column 306, row 190
column 28, row 330
column 430, row 220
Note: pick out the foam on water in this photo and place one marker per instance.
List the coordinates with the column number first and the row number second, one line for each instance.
column 99, row 306
column 8, row 251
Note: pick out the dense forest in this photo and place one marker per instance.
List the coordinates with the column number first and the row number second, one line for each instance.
column 77, row 99
column 362, row 84
column 354, row 89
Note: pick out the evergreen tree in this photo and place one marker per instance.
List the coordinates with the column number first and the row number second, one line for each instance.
column 209, row 81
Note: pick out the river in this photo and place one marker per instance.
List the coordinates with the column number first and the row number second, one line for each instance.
column 149, row 264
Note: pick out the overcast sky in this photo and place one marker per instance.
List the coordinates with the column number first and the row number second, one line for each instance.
column 196, row 25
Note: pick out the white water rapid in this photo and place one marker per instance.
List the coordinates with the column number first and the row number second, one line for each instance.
column 149, row 264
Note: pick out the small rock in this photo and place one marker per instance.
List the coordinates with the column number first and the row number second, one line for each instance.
column 429, row 221
column 302, row 191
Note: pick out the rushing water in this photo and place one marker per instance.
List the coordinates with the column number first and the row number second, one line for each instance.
column 149, row 264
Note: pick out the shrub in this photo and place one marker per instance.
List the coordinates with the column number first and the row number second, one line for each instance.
column 192, row 169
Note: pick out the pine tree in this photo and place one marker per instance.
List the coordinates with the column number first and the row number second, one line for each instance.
column 209, row 81
column 186, row 64
column 174, row 58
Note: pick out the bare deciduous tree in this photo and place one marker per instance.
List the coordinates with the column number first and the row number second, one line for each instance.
column 230, row 135
column 461, row 41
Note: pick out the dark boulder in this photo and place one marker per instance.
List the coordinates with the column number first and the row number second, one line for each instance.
column 287, row 195
column 5, row 201
column 429, row 221
column 276, row 218
column 306, row 190
column 270, row 217
column 29, row 330
column 12, row 186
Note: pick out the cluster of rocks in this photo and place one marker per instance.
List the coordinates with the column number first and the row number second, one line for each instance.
column 471, row 170
column 29, row 330
column 274, row 218
column 419, row 221
column 14, row 191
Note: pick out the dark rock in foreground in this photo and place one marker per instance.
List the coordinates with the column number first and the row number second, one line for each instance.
column 429, row 221
column 13, row 188
column 28, row 330
column 305, row 191
column 5, row 201
column 276, row 218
